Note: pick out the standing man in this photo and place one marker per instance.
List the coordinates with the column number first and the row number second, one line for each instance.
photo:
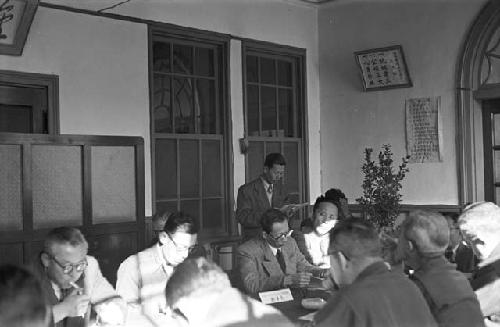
column 142, row 277
column 74, row 283
column 263, row 193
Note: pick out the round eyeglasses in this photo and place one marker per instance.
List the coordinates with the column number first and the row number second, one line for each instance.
column 68, row 268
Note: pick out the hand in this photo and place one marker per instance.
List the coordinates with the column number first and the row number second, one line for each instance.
column 75, row 304
column 297, row 280
column 111, row 313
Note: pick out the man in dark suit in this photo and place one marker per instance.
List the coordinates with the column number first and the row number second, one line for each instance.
column 458, row 251
column 263, row 193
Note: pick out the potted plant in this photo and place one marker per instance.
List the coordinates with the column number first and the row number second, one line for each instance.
column 381, row 197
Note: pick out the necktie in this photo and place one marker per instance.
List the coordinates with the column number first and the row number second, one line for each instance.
column 281, row 260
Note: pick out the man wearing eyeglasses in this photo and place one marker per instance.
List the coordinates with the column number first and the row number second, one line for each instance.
column 369, row 295
column 142, row 277
column 73, row 281
column 272, row 260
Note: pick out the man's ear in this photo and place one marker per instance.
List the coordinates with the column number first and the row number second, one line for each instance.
column 411, row 246
column 44, row 257
column 162, row 237
column 264, row 234
column 343, row 260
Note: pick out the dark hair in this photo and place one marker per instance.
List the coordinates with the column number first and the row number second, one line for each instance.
column 193, row 276
column 271, row 216
column 274, row 159
column 64, row 235
column 22, row 300
column 307, row 223
column 180, row 220
column 320, row 199
column 335, row 194
column 355, row 238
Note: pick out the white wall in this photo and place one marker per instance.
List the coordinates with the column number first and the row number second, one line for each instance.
column 431, row 33
column 103, row 65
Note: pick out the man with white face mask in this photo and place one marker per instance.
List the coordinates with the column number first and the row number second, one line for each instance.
column 314, row 245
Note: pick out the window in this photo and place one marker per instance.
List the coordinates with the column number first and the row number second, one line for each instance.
column 275, row 111
column 28, row 103
column 189, row 129
column 491, row 141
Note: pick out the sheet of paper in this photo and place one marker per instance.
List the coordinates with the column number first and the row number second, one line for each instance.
column 282, row 295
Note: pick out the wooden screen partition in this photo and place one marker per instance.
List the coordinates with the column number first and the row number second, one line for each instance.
column 94, row 183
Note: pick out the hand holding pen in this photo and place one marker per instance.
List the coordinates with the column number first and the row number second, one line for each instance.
column 76, row 302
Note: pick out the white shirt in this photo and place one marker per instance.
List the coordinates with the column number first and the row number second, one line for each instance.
column 317, row 246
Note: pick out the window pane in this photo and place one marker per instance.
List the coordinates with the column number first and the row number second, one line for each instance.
column 253, row 110
column 204, row 62
column 291, row 153
column 273, row 147
column 11, row 214
column 192, row 208
column 183, row 105
column 497, row 166
column 113, row 184
column 284, row 73
column 161, row 104
column 496, row 128
column 205, row 101
column 255, row 159
column 164, row 206
column 213, row 216
column 268, row 105
column 189, row 159
column 267, row 71
column 286, row 113
column 57, row 186
column 183, row 59
column 252, row 69
column 161, row 57
column 212, row 166
column 166, row 169
column 16, row 119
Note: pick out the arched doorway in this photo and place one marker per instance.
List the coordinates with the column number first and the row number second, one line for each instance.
column 477, row 88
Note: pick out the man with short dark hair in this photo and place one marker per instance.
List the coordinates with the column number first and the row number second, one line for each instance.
column 22, row 300
column 199, row 293
column 74, row 283
column 370, row 295
column 265, row 192
column 142, row 277
column 273, row 260
column 423, row 240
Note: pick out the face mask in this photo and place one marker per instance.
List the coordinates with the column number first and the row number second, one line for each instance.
column 325, row 227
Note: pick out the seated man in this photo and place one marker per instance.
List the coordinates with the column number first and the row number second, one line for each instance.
column 480, row 225
column 273, row 260
column 423, row 239
column 370, row 295
column 458, row 251
column 74, row 283
column 199, row 294
column 22, row 300
column 142, row 277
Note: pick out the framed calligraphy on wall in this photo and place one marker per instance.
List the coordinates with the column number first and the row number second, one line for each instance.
column 15, row 21
column 423, row 129
column 383, row 68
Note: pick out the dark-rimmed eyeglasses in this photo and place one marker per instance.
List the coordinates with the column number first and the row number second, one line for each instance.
column 281, row 236
column 68, row 268
column 181, row 248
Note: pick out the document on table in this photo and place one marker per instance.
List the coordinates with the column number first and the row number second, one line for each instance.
column 282, row 295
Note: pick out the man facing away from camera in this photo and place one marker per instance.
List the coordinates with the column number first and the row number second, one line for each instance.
column 370, row 295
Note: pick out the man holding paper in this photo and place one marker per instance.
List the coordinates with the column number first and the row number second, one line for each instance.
column 272, row 260
column 265, row 192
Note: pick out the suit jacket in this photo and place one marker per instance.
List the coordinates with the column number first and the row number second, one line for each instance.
column 94, row 284
column 258, row 269
column 252, row 201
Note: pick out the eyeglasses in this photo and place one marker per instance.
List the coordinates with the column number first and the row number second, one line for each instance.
column 68, row 268
column 181, row 248
column 281, row 236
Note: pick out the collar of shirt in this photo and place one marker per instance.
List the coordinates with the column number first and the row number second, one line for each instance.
column 273, row 249
column 161, row 260
column 266, row 184
column 57, row 290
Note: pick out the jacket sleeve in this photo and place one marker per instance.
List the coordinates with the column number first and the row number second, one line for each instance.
column 246, row 214
column 253, row 279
